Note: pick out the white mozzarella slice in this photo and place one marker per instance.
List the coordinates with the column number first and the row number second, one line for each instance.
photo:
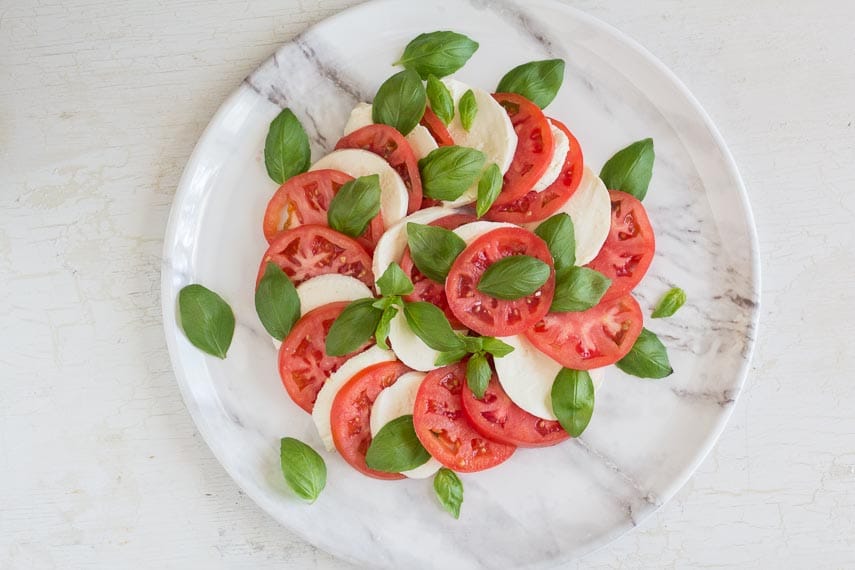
column 419, row 138
column 395, row 401
column 355, row 162
column 330, row 288
column 323, row 405
column 409, row 348
column 473, row 230
column 556, row 163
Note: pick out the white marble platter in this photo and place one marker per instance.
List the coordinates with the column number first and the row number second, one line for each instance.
column 542, row 506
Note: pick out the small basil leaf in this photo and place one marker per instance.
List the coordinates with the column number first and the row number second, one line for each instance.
column 381, row 334
column 400, row 102
column 647, row 358
column 449, row 490
column 355, row 325
column 478, row 374
column 488, row 189
column 472, row 344
column 207, row 319
column 433, row 249
column 537, row 81
column 468, row 108
column 429, row 324
column 559, row 235
column 450, row 357
column 669, row 303
column 277, row 302
column 514, row 277
column 439, row 53
column 396, row 447
column 496, row 347
column 573, row 400
column 394, row 281
column 630, row 169
column 440, row 99
column 286, row 149
column 578, row 289
column 304, row 470
column 355, row 204
column 384, row 302
column 447, row 172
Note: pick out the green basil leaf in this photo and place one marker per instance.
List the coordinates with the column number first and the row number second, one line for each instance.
column 630, row 169
column 286, row 149
column 468, row 108
column 537, row 81
column 381, row 334
column 440, row 99
column 450, row 357
column 207, row 319
column 647, row 359
column 496, row 347
column 394, row 281
column 277, row 302
column 472, row 344
column 400, row 102
column 304, row 470
column 478, row 374
column 449, row 490
column 573, row 400
column 355, row 325
column 355, row 204
column 558, row 233
column 396, row 447
column 669, row 303
column 429, row 324
column 384, row 302
column 488, row 189
column 447, row 172
column 433, row 249
column 438, row 53
column 514, row 277
column 578, row 289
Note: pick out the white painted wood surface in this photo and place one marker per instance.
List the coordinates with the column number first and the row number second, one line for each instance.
column 101, row 103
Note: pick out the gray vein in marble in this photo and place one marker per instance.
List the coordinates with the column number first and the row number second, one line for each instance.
column 330, row 72
column 521, row 20
column 721, row 398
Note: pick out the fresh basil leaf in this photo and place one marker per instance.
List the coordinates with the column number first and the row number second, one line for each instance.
column 396, row 447
column 478, row 374
column 286, row 149
column 488, row 189
column 449, row 490
column 468, row 108
column 429, row 324
column 440, row 99
column 573, row 400
column 277, row 302
column 400, row 102
column 647, row 359
column 207, row 319
column 355, row 325
column 472, row 344
column 381, row 334
column 303, row 468
column 439, row 53
column 496, row 347
column 514, row 277
column 394, row 281
column 447, row 172
column 537, row 81
column 433, row 249
column 630, row 169
column 450, row 357
column 355, row 204
column 578, row 289
column 669, row 303
column 558, row 233
column 384, row 302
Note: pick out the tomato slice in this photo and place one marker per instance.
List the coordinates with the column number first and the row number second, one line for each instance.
column 308, row 251
column 497, row 417
column 534, row 145
column 487, row 315
column 445, row 431
column 600, row 336
column 351, row 414
column 304, row 365
column 388, row 143
column 536, row 206
column 436, row 128
column 629, row 247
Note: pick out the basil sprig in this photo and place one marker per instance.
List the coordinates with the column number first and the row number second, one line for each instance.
column 277, row 302
column 630, row 169
column 433, row 249
column 286, row 149
column 440, row 99
column 488, row 189
column 468, row 108
column 439, row 53
column 429, row 323
column 670, row 303
column 537, row 81
column 355, row 205
column 449, row 490
column 514, row 277
column 396, row 447
column 648, row 358
column 447, row 172
column 573, row 400
column 394, row 282
column 207, row 319
column 304, row 469
column 557, row 231
column 578, row 289
column 400, row 102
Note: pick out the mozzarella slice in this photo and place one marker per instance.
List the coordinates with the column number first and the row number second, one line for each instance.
column 323, row 405
column 556, row 163
column 419, row 138
column 409, row 348
column 393, row 194
column 395, row 401
column 473, row 230
column 330, row 288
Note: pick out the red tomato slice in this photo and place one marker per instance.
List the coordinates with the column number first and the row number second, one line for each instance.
column 600, row 336
column 445, row 431
column 629, row 248
column 436, row 128
column 484, row 314
column 304, row 365
column 536, row 206
column 534, row 145
column 308, row 251
column 391, row 145
column 497, row 417
column 351, row 414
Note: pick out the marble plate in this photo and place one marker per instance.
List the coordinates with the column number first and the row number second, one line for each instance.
column 542, row 506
